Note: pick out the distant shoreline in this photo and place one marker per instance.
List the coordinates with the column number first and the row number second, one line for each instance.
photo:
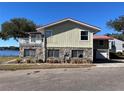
column 9, row 48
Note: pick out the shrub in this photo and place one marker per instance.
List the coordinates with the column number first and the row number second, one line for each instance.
column 53, row 60
column 50, row 60
column 81, row 61
column 89, row 61
column 57, row 61
column 123, row 53
column 113, row 55
column 30, row 60
column 40, row 61
column 19, row 60
column 119, row 53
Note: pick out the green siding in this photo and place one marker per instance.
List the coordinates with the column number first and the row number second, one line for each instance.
column 67, row 34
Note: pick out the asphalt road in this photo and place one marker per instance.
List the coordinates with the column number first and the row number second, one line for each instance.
column 76, row 79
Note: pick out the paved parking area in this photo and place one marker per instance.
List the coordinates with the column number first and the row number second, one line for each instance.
column 95, row 78
column 110, row 65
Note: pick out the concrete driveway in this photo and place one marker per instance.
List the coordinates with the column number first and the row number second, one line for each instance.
column 90, row 79
column 110, row 63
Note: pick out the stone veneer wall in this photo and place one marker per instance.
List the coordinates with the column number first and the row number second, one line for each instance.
column 39, row 52
column 40, row 55
column 88, row 53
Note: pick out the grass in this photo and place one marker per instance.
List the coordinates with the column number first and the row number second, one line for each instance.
column 5, row 59
column 116, row 56
column 42, row 66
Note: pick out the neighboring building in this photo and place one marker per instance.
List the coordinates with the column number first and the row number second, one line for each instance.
column 101, row 47
column 66, row 38
column 116, row 45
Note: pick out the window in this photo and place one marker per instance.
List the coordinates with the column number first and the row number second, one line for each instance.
column 84, row 35
column 101, row 42
column 77, row 53
column 38, row 36
column 112, row 44
column 32, row 52
column 33, row 37
column 48, row 33
column 53, row 53
column 26, row 40
column 26, row 52
column 29, row 52
column 123, row 45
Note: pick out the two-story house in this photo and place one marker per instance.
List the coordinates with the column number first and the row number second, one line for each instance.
column 67, row 38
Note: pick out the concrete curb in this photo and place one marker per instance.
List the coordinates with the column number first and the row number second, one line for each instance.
column 110, row 65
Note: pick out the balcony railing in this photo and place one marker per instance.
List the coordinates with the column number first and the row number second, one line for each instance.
column 27, row 42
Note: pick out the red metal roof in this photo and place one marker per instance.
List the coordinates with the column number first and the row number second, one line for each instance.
column 102, row 37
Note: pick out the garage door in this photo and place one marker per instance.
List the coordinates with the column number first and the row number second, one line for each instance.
column 101, row 54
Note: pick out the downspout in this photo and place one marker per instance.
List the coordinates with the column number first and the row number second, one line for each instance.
column 92, row 49
column 108, row 49
column 44, row 48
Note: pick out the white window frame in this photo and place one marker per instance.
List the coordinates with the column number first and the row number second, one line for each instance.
column 34, row 38
column 84, row 35
column 47, row 31
column 38, row 36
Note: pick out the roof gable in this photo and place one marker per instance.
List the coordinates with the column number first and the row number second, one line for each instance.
column 72, row 20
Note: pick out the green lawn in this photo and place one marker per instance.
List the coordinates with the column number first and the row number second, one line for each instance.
column 42, row 66
column 5, row 59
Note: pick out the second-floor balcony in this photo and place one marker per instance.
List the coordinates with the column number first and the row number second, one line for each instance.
column 30, row 42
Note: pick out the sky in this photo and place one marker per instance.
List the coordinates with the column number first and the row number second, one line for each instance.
column 93, row 13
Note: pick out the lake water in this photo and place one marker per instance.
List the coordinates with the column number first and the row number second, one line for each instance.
column 9, row 53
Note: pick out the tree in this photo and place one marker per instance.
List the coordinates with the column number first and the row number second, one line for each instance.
column 117, row 24
column 16, row 28
column 116, row 35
